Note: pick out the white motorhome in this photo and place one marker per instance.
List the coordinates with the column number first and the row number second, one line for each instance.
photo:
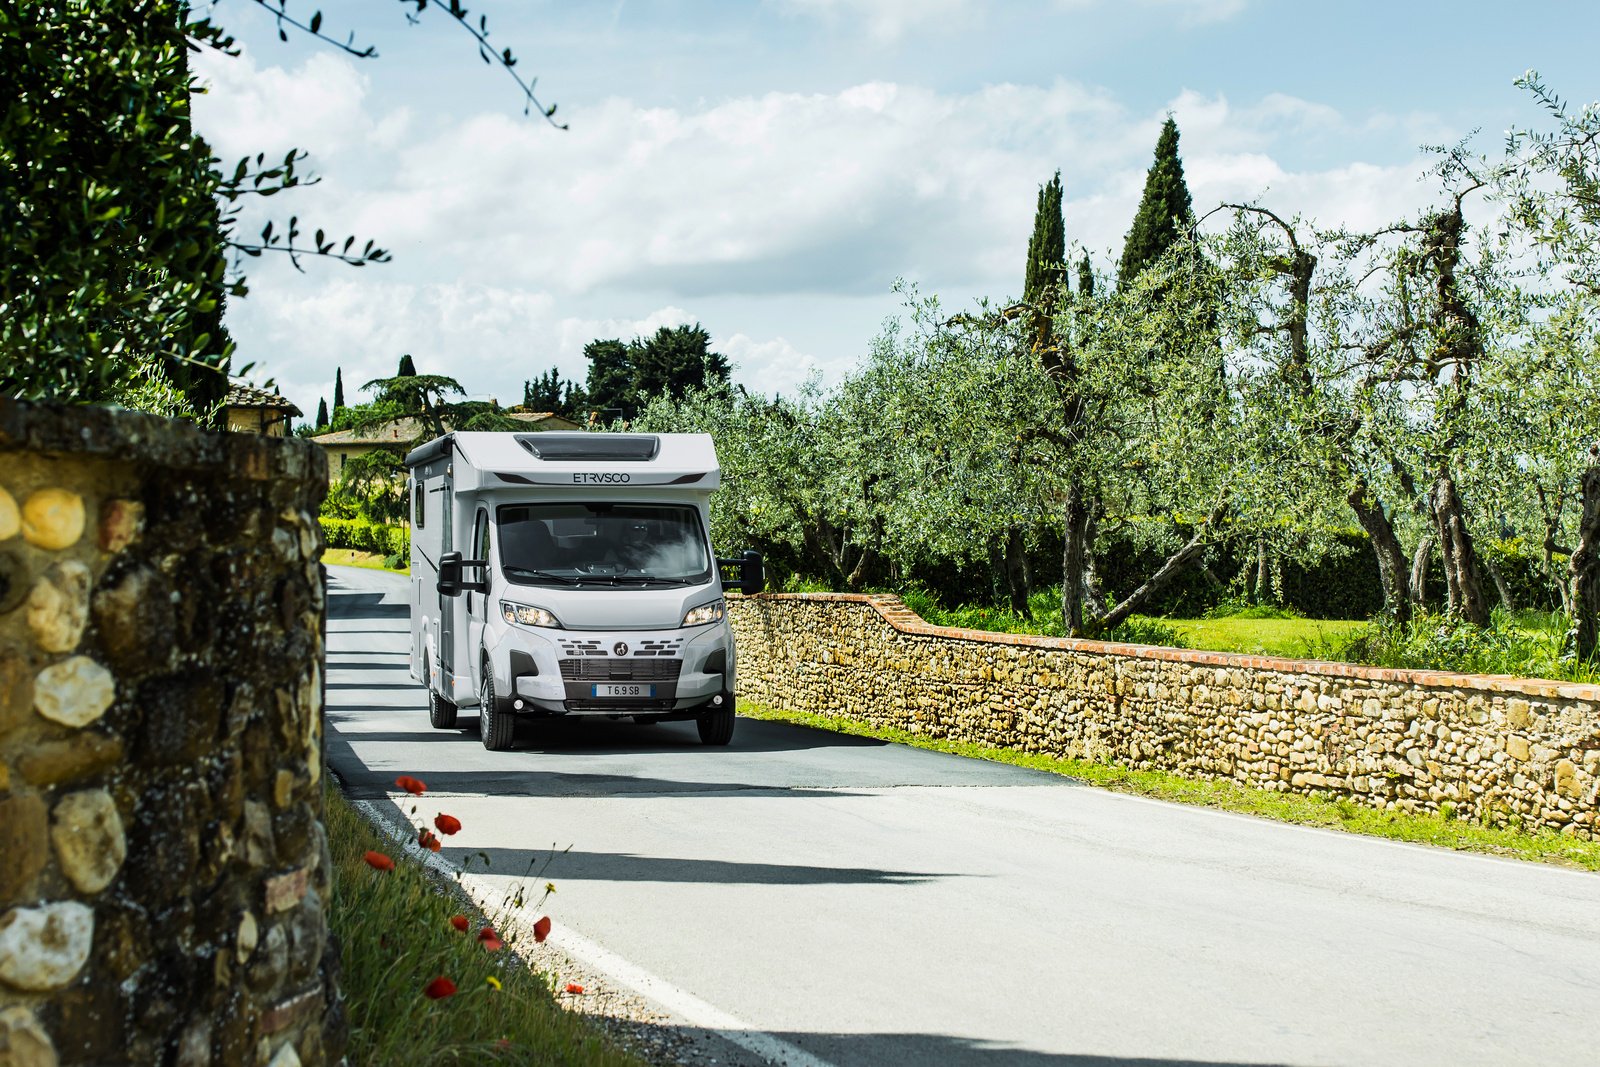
column 570, row 574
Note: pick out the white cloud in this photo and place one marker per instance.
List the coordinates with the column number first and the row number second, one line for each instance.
column 887, row 20
column 516, row 244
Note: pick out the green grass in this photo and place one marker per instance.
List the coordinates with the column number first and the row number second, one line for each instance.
column 1429, row 829
column 395, row 937
column 1295, row 638
column 353, row 557
column 1524, row 644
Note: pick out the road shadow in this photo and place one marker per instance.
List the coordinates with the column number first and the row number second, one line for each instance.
column 946, row 1050
column 344, row 606
column 573, row 866
column 362, row 782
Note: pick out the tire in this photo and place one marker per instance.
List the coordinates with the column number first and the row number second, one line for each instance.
column 441, row 713
column 716, row 725
column 496, row 723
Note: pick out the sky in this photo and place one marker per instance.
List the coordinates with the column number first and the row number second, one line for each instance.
column 770, row 168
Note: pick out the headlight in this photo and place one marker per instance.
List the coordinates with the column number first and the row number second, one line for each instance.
column 528, row 615
column 703, row 614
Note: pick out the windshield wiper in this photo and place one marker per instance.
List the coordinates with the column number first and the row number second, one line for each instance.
column 540, row 574
column 642, row 579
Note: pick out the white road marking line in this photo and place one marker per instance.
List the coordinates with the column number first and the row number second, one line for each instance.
column 682, row 1003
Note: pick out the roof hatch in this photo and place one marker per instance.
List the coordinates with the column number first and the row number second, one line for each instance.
column 591, row 447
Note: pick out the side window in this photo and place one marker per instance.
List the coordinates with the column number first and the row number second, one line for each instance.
column 419, row 509
column 480, row 536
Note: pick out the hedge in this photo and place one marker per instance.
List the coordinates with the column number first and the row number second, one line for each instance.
column 366, row 536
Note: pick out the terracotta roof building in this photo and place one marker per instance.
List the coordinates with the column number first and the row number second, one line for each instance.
column 344, row 445
column 247, row 409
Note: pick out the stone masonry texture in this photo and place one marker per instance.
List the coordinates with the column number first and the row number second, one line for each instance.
column 1506, row 751
column 163, row 867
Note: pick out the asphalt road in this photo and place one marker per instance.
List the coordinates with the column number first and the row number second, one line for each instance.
column 871, row 904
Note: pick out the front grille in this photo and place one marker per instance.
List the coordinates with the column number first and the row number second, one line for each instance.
column 620, row 707
column 618, row 669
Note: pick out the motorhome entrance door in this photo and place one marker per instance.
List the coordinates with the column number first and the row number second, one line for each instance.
column 478, row 603
column 447, row 604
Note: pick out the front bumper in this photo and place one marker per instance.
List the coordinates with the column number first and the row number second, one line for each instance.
column 557, row 674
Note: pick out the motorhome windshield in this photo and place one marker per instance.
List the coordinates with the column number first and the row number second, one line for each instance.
column 597, row 545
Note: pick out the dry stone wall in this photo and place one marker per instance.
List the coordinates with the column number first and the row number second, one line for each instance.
column 163, row 865
column 1505, row 750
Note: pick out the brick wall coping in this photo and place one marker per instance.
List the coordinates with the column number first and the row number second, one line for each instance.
column 903, row 619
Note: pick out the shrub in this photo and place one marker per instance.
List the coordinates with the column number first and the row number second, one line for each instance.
column 1527, row 644
column 1235, row 608
column 364, row 536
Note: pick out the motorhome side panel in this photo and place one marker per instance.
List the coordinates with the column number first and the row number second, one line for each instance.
column 431, row 505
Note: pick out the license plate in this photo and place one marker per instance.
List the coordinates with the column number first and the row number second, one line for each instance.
column 624, row 691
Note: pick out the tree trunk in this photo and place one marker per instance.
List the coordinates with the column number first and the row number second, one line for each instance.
column 1074, row 560
column 1263, row 588
column 1163, row 577
column 1585, row 565
column 1462, row 577
column 1420, row 560
column 1016, row 565
column 1501, row 588
column 1386, row 546
column 1094, row 596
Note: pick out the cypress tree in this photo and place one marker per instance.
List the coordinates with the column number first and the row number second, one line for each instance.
column 322, row 413
column 1047, row 248
column 407, row 369
column 1165, row 206
column 338, row 389
column 1085, row 277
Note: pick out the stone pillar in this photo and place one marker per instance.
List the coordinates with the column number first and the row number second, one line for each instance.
column 163, row 864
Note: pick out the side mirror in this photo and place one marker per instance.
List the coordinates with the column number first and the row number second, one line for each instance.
column 752, row 573
column 450, row 574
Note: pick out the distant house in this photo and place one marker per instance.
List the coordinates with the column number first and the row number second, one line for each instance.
column 250, row 410
column 542, row 420
column 345, row 445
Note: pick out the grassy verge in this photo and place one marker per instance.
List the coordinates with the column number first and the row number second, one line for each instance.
column 395, row 938
column 352, row 557
column 1295, row 638
column 1430, row 829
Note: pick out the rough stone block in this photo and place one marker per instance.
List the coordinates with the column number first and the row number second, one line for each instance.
column 86, row 755
column 89, row 839
column 53, row 518
column 74, row 692
column 58, row 606
column 23, row 1041
column 24, row 847
column 44, row 947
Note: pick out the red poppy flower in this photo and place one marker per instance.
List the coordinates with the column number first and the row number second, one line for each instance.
column 541, row 929
column 378, row 861
column 428, row 841
column 491, row 944
column 447, row 824
column 574, row 987
column 411, row 785
column 439, row 988
column 459, row 922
